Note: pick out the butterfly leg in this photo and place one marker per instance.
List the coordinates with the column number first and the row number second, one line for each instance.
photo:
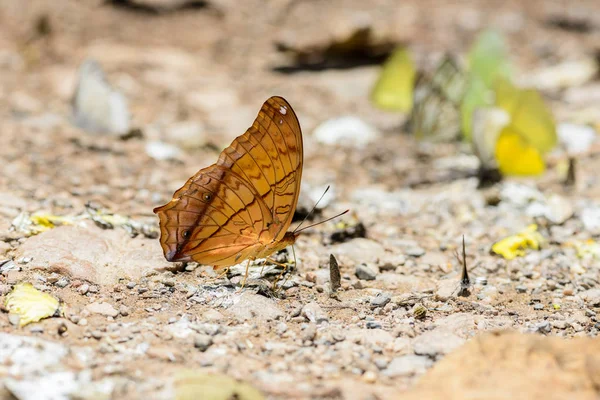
column 285, row 267
column 246, row 274
column 222, row 274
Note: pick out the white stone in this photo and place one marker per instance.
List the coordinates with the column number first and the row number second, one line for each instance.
column 162, row 151
column 575, row 138
column 346, row 131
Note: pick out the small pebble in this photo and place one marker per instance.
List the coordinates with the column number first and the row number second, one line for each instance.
column 538, row 306
column 415, row 251
column 380, row 300
column 124, row 310
column 544, row 327
column 577, row 327
column 559, row 324
column 369, row 377
column 481, row 280
column 202, row 342
column 365, row 272
column 358, row 285
column 590, row 313
column 373, row 325
column 309, row 333
column 130, row 285
column 62, row 282
column 314, row 313
column 380, row 363
column 36, row 329
column 83, row 289
column 311, row 277
column 521, row 289
column 281, row 328
column 169, row 282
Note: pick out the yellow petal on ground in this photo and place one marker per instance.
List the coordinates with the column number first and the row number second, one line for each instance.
column 111, row 219
column 394, row 88
column 49, row 221
column 517, row 157
column 191, row 385
column 515, row 245
column 30, row 304
column 588, row 249
column 38, row 222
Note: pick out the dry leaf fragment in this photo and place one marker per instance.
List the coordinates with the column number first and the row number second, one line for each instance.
column 195, row 385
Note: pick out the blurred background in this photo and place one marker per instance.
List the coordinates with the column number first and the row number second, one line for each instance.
column 193, row 75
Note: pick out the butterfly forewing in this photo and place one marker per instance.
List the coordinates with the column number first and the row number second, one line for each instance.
column 233, row 209
column 270, row 155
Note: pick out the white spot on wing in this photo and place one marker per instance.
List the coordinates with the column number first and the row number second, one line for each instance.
column 280, row 121
column 283, row 110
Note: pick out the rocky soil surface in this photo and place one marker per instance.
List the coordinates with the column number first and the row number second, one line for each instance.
column 194, row 76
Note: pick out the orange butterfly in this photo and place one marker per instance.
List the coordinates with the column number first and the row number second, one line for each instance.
column 240, row 207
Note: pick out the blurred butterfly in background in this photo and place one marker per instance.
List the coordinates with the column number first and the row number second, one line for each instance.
column 436, row 103
column 393, row 90
column 97, row 107
column 516, row 133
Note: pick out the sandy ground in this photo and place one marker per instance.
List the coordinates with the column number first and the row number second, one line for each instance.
column 195, row 76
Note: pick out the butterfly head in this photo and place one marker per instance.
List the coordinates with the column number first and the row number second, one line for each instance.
column 173, row 242
column 276, row 245
column 289, row 238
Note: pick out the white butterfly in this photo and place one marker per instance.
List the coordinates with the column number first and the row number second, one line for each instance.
column 97, row 107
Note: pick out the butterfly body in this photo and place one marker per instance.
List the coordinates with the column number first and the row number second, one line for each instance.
column 240, row 207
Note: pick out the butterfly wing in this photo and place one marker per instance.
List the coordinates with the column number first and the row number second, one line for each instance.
column 270, row 156
column 97, row 107
column 436, row 110
column 230, row 210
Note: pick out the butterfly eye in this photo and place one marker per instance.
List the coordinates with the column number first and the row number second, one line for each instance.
column 185, row 234
column 207, row 196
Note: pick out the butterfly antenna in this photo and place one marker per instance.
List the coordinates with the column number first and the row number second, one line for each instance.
column 320, row 222
column 313, row 209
